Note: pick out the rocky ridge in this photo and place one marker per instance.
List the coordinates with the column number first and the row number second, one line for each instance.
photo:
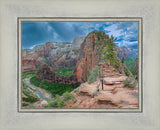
column 52, row 53
column 111, row 95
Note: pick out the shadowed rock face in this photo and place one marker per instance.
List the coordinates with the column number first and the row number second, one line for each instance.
column 47, row 74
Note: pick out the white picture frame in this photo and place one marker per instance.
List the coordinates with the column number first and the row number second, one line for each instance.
column 10, row 118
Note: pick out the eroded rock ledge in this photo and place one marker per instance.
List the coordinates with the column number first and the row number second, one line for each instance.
column 47, row 74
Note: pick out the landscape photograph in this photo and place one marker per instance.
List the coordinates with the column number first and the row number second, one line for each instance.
column 79, row 65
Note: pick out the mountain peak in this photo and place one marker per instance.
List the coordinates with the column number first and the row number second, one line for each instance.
column 77, row 42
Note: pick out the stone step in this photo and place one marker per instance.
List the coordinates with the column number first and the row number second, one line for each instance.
column 105, row 98
column 114, row 79
column 110, row 87
column 108, row 70
column 107, row 87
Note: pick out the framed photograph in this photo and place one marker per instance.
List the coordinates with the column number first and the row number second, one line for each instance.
column 80, row 64
column 89, row 65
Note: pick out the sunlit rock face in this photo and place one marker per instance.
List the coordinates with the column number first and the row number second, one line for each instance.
column 55, row 54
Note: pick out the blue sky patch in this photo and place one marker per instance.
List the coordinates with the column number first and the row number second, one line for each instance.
column 38, row 33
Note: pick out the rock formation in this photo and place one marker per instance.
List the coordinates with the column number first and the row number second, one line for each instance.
column 56, row 55
column 113, row 94
column 47, row 74
column 88, row 56
column 77, row 42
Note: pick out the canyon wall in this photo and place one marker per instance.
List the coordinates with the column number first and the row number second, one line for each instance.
column 47, row 74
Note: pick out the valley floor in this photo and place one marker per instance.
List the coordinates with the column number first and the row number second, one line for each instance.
column 42, row 94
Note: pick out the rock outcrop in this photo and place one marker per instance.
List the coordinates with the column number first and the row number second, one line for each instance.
column 56, row 55
column 47, row 74
column 113, row 94
column 88, row 56
column 77, row 42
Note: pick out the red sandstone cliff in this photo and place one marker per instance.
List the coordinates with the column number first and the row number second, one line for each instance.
column 56, row 55
column 88, row 57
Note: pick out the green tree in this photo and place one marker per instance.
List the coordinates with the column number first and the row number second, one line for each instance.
column 122, row 60
column 93, row 74
column 110, row 53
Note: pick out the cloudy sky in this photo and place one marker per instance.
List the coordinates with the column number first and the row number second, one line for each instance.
column 38, row 33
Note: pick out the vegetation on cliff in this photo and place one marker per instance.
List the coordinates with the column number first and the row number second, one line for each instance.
column 30, row 95
column 110, row 54
column 107, row 47
column 64, row 72
column 107, row 52
column 130, row 82
column 93, row 75
column 28, row 74
column 60, row 101
column 28, row 92
column 129, row 62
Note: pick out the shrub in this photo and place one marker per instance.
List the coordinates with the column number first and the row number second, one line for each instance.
column 65, row 72
column 116, row 69
column 24, row 104
column 93, row 75
column 52, row 104
column 110, row 53
column 24, row 85
column 57, row 102
column 68, row 58
column 67, row 96
column 28, row 74
column 76, row 52
column 75, row 100
column 30, row 99
column 126, row 71
column 130, row 82
column 122, row 60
